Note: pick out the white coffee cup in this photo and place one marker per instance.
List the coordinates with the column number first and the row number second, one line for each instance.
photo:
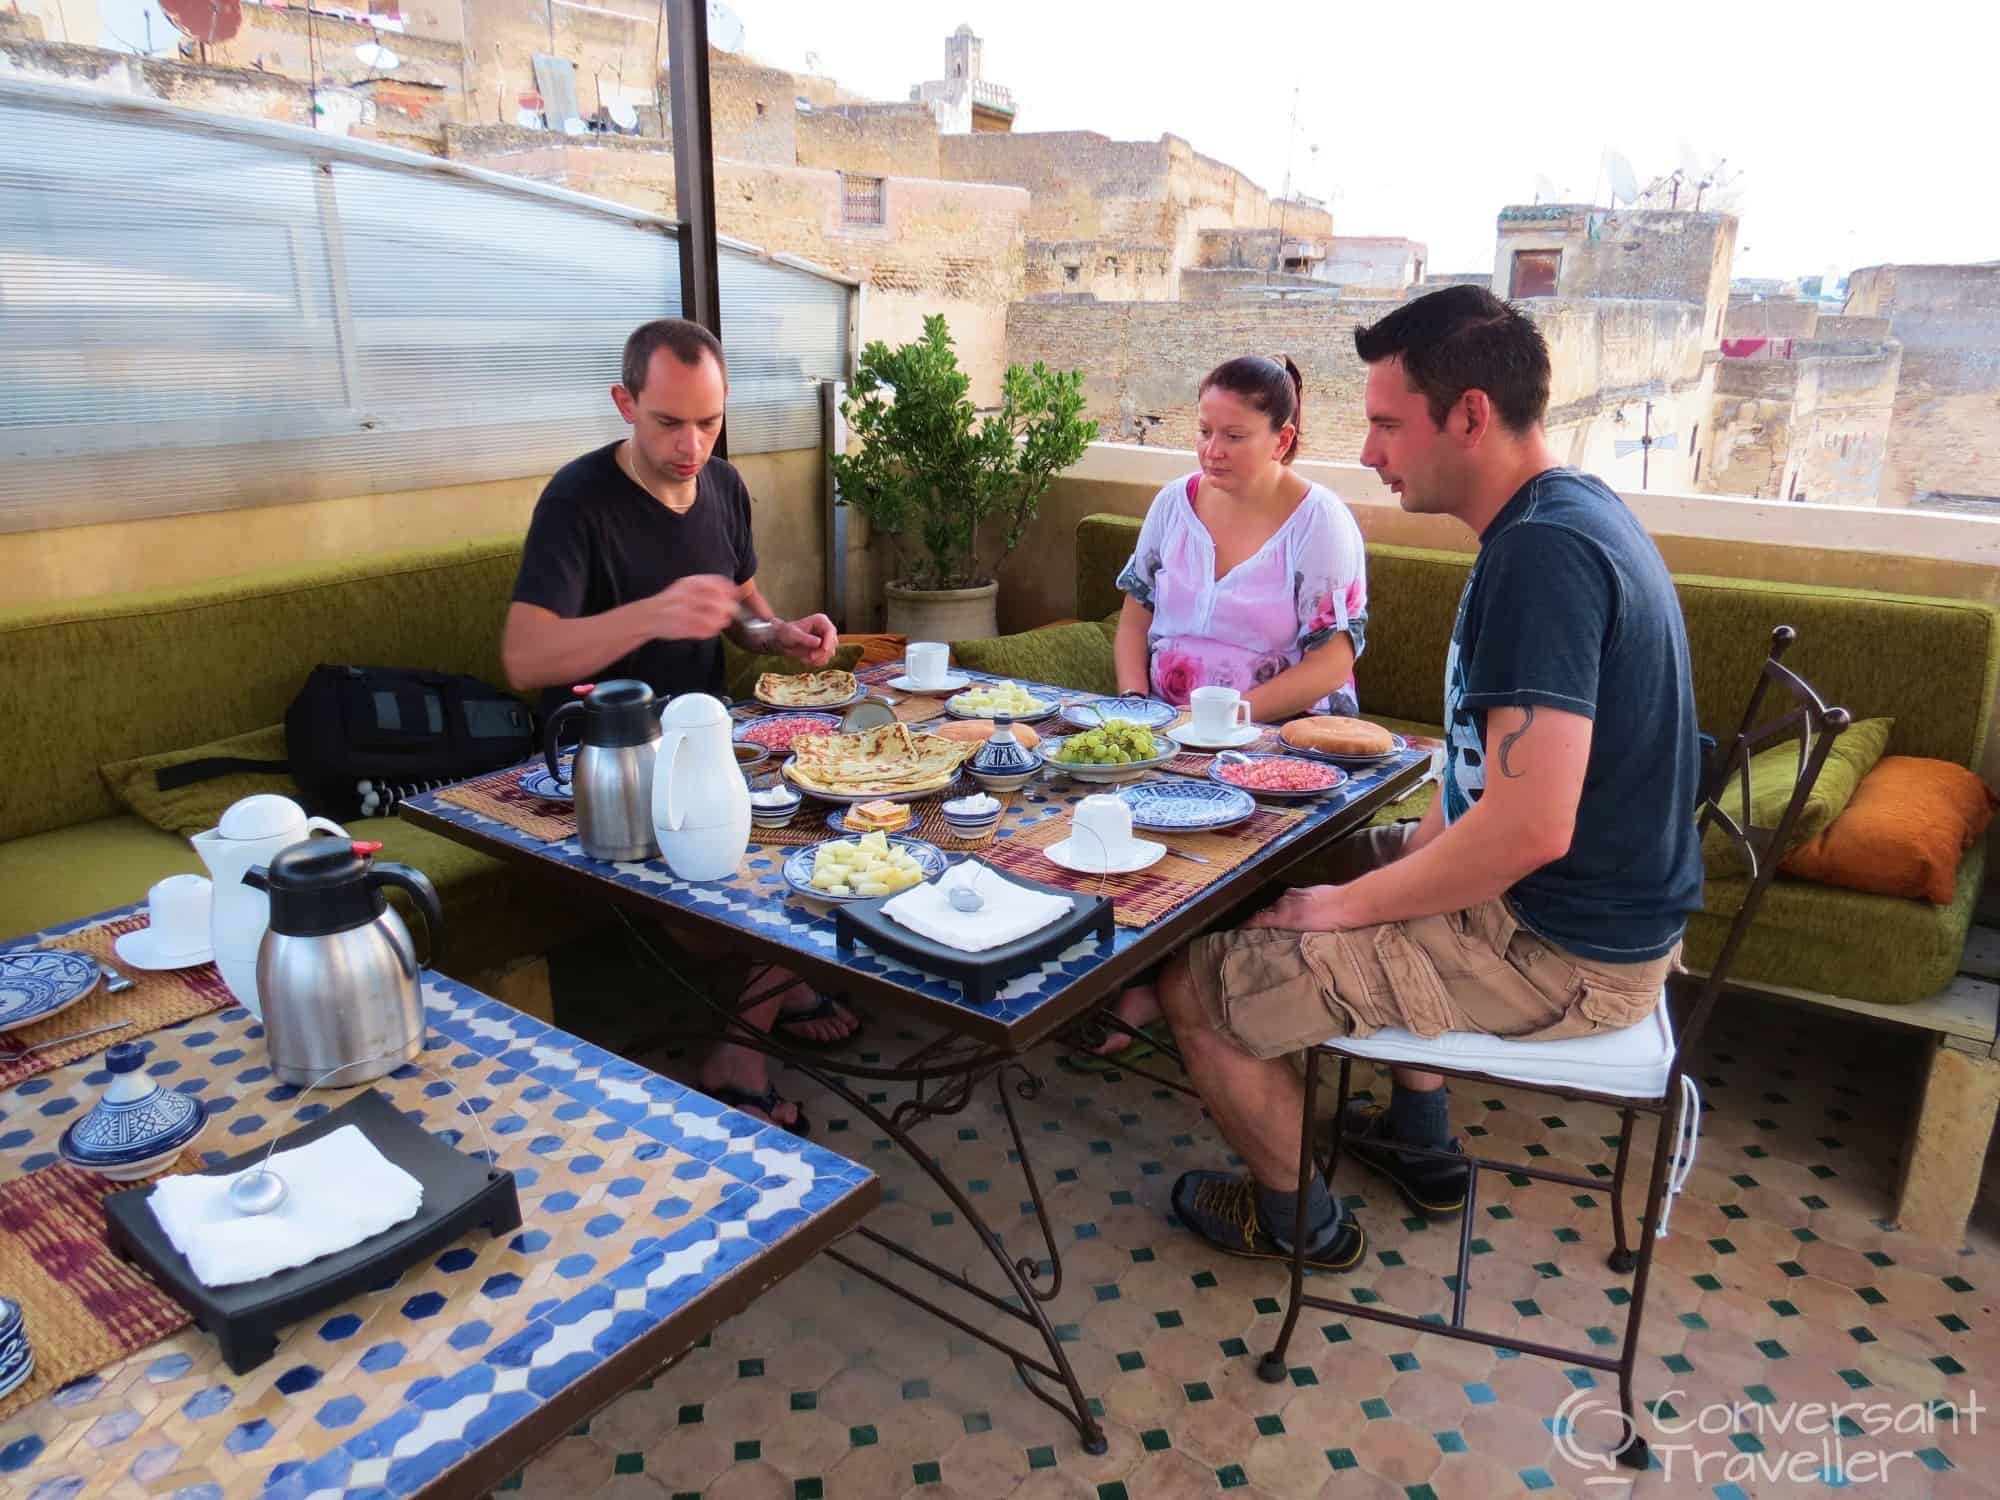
column 1218, row 711
column 176, row 932
column 927, row 662
column 1101, row 832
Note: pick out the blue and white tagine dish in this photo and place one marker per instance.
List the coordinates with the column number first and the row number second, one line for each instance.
column 17, row 1359
column 35, row 983
column 137, row 1127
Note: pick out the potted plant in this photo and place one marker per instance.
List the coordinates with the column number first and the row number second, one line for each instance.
column 952, row 488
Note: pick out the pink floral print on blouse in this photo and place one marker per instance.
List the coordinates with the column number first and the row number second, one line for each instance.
column 1304, row 585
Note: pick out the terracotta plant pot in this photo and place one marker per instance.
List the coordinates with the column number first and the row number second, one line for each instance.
column 943, row 614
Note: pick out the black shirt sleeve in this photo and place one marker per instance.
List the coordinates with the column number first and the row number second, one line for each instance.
column 1548, row 605
column 555, row 561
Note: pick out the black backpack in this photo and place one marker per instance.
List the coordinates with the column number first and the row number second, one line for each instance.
column 360, row 739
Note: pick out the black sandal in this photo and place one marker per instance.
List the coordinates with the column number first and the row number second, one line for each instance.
column 824, row 1008
column 768, row 1102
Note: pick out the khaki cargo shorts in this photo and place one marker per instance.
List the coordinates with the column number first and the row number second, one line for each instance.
column 1273, row 992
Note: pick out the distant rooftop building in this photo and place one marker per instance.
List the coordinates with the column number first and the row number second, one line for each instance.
column 962, row 100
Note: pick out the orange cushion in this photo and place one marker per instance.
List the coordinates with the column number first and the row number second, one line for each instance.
column 1902, row 835
column 877, row 648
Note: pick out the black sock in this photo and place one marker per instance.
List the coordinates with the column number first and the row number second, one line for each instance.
column 1276, row 1211
column 1419, row 1117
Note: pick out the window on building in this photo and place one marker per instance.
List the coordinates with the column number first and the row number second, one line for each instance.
column 860, row 199
column 1072, row 273
column 1534, row 273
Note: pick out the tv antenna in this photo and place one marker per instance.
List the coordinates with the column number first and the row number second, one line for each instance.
column 1644, row 444
column 1618, row 172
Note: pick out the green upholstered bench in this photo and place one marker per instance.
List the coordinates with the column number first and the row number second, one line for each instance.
column 101, row 680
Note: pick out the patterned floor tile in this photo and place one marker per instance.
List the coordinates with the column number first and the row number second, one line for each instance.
column 1778, row 1285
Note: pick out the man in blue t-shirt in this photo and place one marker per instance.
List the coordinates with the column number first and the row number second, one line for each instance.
column 1545, row 892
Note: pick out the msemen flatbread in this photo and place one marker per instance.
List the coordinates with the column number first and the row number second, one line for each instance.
column 879, row 761
column 805, row 689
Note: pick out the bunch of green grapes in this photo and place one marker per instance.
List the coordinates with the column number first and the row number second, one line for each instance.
column 1118, row 742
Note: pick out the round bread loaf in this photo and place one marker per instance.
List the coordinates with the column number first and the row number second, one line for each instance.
column 979, row 731
column 1336, row 736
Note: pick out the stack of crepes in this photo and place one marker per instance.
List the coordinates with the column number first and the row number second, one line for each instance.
column 807, row 689
column 888, row 760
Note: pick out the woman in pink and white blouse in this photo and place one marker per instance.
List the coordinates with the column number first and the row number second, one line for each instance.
column 1245, row 576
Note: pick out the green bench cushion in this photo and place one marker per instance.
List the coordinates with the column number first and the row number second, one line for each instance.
column 1072, row 656
column 494, row 913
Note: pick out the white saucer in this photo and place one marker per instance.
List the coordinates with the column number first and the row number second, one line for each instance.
column 1241, row 735
column 954, row 682
column 140, row 951
column 1145, row 854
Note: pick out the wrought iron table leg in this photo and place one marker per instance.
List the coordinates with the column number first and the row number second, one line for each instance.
column 958, row 1078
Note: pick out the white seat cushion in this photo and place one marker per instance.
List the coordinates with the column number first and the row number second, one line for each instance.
column 1633, row 1063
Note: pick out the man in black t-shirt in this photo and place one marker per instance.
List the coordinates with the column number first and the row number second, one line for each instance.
column 1544, row 894
column 637, row 560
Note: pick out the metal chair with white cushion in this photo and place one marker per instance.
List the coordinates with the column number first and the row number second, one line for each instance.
column 1636, row 1070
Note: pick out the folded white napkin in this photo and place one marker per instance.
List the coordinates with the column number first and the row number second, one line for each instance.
column 340, row 1191
column 1010, row 912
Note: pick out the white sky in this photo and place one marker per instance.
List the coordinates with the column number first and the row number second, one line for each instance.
column 1863, row 129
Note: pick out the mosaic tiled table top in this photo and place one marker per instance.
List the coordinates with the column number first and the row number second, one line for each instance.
column 757, row 900
column 641, row 1199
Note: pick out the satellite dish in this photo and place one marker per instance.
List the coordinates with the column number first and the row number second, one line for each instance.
column 205, row 20
column 623, row 115
column 377, row 56
column 1624, row 186
column 574, row 126
column 1545, row 191
column 1693, row 164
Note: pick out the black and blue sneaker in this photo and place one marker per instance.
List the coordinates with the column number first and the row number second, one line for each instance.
column 1432, row 1186
column 1221, row 1208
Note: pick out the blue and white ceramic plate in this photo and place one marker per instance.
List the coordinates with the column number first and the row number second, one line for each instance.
column 1332, row 774
column 1150, row 712
column 1397, row 745
column 836, row 818
column 1182, row 806
column 1166, row 747
column 539, row 783
column 16, row 1367
column 35, row 983
column 830, row 722
column 799, row 866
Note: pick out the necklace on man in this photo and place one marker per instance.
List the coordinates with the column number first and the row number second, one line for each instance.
column 630, row 466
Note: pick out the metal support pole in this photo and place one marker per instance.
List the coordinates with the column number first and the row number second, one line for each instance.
column 833, row 439
column 694, row 160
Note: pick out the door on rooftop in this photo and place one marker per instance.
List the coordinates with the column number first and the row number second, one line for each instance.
column 1534, row 273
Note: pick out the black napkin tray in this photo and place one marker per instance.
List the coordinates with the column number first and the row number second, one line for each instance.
column 979, row 975
column 460, row 1193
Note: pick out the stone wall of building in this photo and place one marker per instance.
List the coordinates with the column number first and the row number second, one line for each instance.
column 1812, row 427
column 1771, row 318
column 1146, row 358
column 1945, row 435
column 1373, row 261
column 259, row 96
column 1647, row 255
column 885, row 140
column 951, row 248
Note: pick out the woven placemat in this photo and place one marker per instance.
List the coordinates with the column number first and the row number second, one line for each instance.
column 83, row 1307
column 1142, row 898
column 500, row 796
column 157, row 998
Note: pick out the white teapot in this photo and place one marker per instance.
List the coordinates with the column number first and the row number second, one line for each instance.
column 701, row 803
column 250, row 833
